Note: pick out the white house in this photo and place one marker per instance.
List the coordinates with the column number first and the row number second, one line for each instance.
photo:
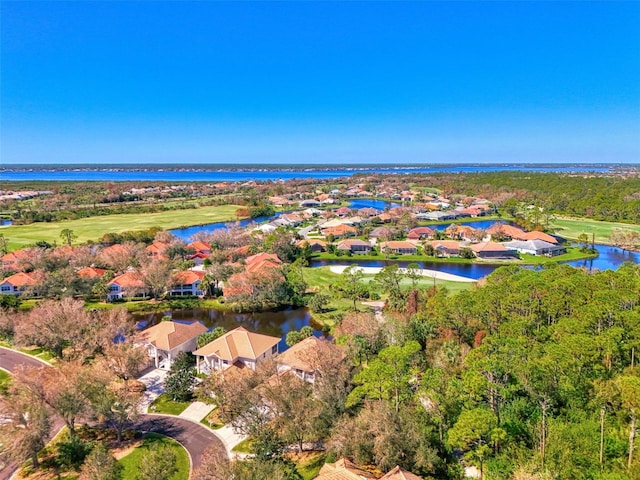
column 306, row 358
column 166, row 339
column 129, row 284
column 187, row 283
column 240, row 347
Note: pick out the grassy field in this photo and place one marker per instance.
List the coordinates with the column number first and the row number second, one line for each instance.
column 5, row 378
column 164, row 404
column 131, row 462
column 571, row 228
column 93, row 228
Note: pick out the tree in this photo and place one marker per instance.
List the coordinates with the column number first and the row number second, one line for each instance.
column 208, row 337
column 68, row 236
column 100, row 465
column 294, row 336
column 351, row 286
column 4, row 243
column 156, row 276
column 387, row 376
column 159, row 463
column 26, row 424
column 318, row 302
column 181, row 379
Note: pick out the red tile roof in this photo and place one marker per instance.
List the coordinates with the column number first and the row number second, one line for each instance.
column 21, row 279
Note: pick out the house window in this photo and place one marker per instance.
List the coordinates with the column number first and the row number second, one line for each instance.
column 6, row 288
column 274, row 349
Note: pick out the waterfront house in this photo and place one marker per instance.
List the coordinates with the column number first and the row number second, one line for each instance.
column 187, row 283
column 239, row 347
column 420, row 233
column 400, row 246
column 492, row 250
column 316, row 245
column 354, row 246
column 305, row 358
column 535, row 247
column 165, row 340
column 446, row 248
column 127, row 285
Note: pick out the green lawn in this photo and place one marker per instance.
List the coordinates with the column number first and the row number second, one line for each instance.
column 571, row 228
column 131, row 462
column 94, row 227
column 5, row 379
column 164, row 404
column 309, row 464
column 212, row 421
column 244, row 446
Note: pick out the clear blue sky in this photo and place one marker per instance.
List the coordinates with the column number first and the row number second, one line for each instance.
column 338, row 82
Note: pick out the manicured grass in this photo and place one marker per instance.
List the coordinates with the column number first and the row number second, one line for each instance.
column 573, row 253
column 150, row 306
column 212, row 421
column 5, row 379
column 131, row 462
column 309, row 464
column 164, row 404
column 244, row 446
column 94, row 227
column 571, row 228
column 392, row 258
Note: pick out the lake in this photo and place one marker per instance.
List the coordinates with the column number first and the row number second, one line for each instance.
column 276, row 323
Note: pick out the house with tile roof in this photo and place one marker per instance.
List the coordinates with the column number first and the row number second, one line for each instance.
column 91, row 272
column 165, row 340
column 18, row 283
column 399, row 246
column 305, row 358
column 398, row 473
column 316, row 245
column 200, row 247
column 492, row 250
column 446, row 248
column 354, row 245
column 187, row 283
column 535, row 247
column 127, row 285
column 343, row 469
column 340, row 231
column 238, row 347
column 14, row 261
column 420, row 233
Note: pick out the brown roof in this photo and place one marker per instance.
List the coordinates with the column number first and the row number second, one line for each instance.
column 535, row 235
column 199, row 246
column 303, row 354
column 272, row 257
column 399, row 474
column 449, row 244
column 352, row 243
column 398, row 244
column 20, row 279
column 115, row 248
column 339, row 230
column 91, row 272
column 488, row 247
column 343, row 469
column 311, row 242
column 239, row 342
column 168, row 335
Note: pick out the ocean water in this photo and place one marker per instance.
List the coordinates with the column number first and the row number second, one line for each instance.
column 226, row 173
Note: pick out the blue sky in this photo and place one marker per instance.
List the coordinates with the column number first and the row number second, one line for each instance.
column 319, row 82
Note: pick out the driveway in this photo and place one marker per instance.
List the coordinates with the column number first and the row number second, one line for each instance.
column 194, row 437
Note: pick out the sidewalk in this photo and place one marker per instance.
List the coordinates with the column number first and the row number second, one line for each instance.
column 199, row 410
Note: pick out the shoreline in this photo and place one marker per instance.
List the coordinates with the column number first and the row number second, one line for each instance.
column 422, row 271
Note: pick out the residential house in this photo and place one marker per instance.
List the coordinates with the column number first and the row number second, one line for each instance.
column 18, row 283
column 91, row 272
column 316, row 245
column 420, row 233
column 238, row 347
column 492, row 250
column 157, row 249
column 187, row 283
column 340, row 231
column 446, row 248
column 309, row 203
column 241, row 282
column 535, row 247
column 165, row 340
column 305, row 358
column 200, row 247
column 16, row 260
column 354, row 246
column 127, row 285
column 399, row 246
column 343, row 469
column 384, row 233
column 398, row 473
column 536, row 235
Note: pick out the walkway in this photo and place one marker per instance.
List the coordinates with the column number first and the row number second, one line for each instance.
column 154, row 381
column 422, row 271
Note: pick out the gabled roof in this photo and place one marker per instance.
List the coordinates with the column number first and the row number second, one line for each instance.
column 353, row 242
column 169, row 335
column 20, row 279
column 272, row 257
column 398, row 244
column 448, row 244
column 398, row 473
column 304, row 354
column 535, row 235
column 343, row 469
column 128, row 279
column 91, row 272
column 199, row 246
column 188, row 277
column 115, row 248
column 239, row 342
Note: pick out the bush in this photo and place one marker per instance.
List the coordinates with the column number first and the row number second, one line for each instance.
column 72, row 452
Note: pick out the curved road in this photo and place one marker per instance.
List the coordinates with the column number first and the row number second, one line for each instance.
column 194, row 437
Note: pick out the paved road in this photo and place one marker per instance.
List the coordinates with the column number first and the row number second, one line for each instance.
column 194, row 437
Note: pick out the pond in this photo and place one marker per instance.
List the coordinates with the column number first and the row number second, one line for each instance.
column 276, row 323
column 358, row 203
